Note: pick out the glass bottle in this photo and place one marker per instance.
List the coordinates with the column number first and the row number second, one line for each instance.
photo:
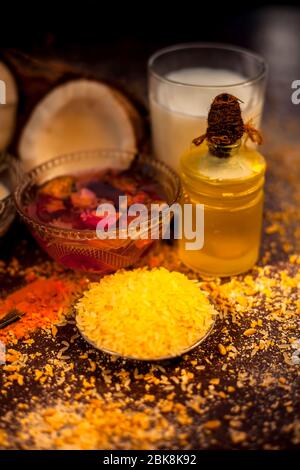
column 228, row 179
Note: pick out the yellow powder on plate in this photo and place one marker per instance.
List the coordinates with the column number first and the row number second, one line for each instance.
column 144, row 314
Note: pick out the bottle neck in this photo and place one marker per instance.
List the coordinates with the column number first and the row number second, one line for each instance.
column 223, row 151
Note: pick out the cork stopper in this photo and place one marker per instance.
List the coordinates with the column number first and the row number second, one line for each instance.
column 225, row 126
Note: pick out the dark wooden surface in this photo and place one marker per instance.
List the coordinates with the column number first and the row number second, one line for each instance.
column 269, row 415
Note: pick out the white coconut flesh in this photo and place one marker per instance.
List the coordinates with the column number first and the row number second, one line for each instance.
column 8, row 105
column 79, row 115
column 4, row 192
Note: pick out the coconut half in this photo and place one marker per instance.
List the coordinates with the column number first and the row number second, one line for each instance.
column 79, row 115
column 8, row 106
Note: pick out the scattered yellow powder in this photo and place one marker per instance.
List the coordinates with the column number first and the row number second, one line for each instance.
column 95, row 425
column 3, row 438
column 145, row 314
column 249, row 332
column 222, row 349
column 213, row 424
column 237, row 436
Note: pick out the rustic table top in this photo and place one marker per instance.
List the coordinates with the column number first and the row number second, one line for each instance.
column 72, row 396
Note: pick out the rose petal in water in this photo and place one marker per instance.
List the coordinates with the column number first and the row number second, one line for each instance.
column 105, row 190
column 90, row 220
column 84, row 198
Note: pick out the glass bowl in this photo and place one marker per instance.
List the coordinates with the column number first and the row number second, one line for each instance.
column 9, row 177
column 81, row 249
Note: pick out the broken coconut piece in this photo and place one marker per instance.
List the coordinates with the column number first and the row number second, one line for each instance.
column 8, row 105
column 79, row 115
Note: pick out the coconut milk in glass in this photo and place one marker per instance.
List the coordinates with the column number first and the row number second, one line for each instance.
column 184, row 79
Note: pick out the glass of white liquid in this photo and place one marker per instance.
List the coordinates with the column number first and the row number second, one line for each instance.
column 183, row 81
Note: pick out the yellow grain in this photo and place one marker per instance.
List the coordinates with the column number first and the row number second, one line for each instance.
column 144, row 313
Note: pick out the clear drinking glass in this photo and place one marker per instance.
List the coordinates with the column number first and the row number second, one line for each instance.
column 184, row 79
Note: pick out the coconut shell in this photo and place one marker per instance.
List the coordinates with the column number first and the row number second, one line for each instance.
column 38, row 76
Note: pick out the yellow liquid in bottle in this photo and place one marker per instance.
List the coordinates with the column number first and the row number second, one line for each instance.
column 231, row 190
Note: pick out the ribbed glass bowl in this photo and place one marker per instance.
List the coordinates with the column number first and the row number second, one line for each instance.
column 81, row 249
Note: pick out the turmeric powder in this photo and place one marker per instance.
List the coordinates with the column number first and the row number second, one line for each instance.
column 42, row 303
